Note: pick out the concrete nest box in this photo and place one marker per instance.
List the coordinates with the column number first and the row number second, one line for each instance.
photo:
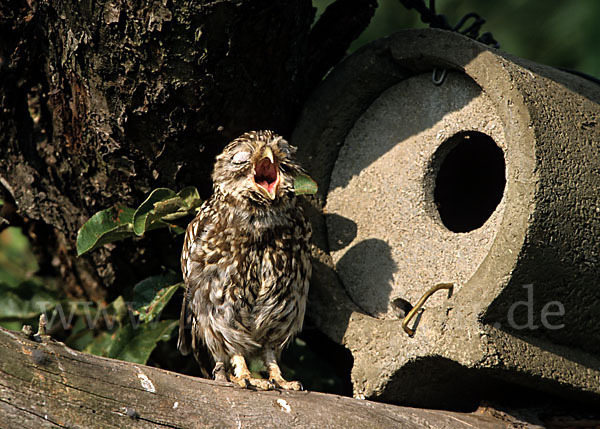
column 442, row 160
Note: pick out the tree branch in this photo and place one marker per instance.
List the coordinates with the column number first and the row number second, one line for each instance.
column 341, row 23
column 48, row 383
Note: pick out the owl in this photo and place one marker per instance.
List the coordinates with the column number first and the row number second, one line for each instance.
column 246, row 262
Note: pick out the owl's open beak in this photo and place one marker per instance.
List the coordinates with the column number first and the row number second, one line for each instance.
column 266, row 174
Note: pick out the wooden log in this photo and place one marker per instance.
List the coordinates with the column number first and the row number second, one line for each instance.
column 43, row 383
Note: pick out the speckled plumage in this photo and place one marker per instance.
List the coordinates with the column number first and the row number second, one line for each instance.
column 246, row 261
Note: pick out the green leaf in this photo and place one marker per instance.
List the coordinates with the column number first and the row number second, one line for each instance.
column 136, row 345
column 80, row 336
column 17, row 261
column 304, row 185
column 100, row 346
column 104, row 227
column 118, row 309
column 170, row 209
column 16, row 325
column 151, row 295
column 164, row 205
column 132, row 343
column 158, row 209
column 175, row 229
column 25, row 302
column 190, row 197
column 184, row 203
column 145, row 218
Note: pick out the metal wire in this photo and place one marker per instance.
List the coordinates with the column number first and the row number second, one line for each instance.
column 429, row 16
column 419, row 304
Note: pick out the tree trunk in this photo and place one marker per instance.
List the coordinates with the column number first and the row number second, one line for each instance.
column 45, row 384
column 104, row 101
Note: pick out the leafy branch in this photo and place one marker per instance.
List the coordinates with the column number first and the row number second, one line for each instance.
column 158, row 210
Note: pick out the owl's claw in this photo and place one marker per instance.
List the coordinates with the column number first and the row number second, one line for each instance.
column 252, row 383
column 241, row 382
column 242, row 377
column 275, row 373
column 287, row 385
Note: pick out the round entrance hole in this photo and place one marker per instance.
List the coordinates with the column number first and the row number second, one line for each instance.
column 470, row 180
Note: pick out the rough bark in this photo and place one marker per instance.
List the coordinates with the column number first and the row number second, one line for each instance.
column 45, row 384
column 104, row 101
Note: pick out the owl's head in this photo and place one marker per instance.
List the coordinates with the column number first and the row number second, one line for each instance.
column 258, row 166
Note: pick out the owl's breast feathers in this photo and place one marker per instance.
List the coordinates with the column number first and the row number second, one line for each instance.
column 247, row 271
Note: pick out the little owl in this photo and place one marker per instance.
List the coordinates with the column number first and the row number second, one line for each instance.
column 246, row 262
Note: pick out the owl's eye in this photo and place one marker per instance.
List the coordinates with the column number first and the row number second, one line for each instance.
column 240, row 157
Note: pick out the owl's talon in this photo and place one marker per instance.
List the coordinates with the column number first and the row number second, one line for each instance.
column 253, row 383
column 261, row 384
column 275, row 375
column 240, row 382
column 287, row 385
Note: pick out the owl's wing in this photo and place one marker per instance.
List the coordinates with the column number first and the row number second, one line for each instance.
column 192, row 235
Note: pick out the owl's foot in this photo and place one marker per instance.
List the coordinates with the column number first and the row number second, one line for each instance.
column 219, row 373
column 242, row 377
column 287, row 385
column 275, row 376
column 250, row 382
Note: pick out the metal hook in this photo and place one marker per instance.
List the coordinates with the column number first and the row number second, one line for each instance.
column 438, row 80
column 420, row 303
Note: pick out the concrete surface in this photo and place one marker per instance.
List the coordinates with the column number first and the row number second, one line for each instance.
column 376, row 136
column 385, row 175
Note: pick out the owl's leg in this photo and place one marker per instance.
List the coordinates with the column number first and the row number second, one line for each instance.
column 243, row 377
column 275, row 373
column 219, row 373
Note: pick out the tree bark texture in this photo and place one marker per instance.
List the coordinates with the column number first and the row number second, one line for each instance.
column 45, row 384
column 103, row 101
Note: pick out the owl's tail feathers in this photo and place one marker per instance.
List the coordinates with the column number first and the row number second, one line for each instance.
column 184, row 343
